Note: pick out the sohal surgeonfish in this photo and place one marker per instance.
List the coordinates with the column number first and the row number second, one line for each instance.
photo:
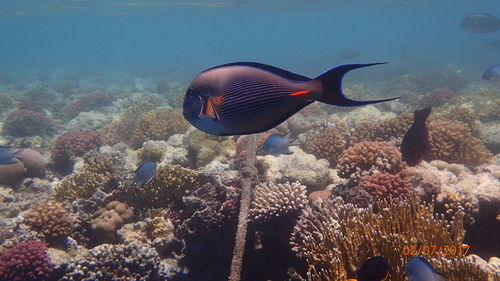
column 247, row 97
column 277, row 144
column 420, row 269
column 7, row 157
column 145, row 173
column 373, row 269
column 492, row 74
column 415, row 145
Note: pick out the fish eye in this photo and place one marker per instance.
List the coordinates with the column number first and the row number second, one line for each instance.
column 193, row 106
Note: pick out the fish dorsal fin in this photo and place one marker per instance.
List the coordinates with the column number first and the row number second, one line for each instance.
column 275, row 70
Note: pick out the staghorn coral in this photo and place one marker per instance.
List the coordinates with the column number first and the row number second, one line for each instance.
column 71, row 145
column 366, row 158
column 327, row 142
column 385, row 185
column 51, row 220
column 277, row 200
column 158, row 124
column 336, row 238
column 26, row 261
column 169, row 181
column 453, row 142
column 24, row 122
column 109, row 219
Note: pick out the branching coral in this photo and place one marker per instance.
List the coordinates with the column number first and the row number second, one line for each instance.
column 79, row 185
column 336, row 238
column 24, row 122
column 158, row 124
column 277, row 200
column 366, row 158
column 51, row 220
column 437, row 97
column 26, row 261
column 327, row 143
column 71, row 145
column 169, row 181
column 463, row 114
column 453, row 142
column 385, row 185
column 383, row 130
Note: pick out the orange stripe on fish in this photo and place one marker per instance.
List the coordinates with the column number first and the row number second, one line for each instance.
column 209, row 110
column 218, row 100
column 305, row 92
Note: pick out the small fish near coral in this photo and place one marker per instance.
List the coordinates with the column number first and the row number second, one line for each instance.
column 492, row 74
column 416, row 145
column 373, row 269
column 246, row 97
column 277, row 144
column 145, row 173
column 7, row 157
column 420, row 269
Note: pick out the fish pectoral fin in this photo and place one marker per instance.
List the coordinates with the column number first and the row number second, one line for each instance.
column 210, row 110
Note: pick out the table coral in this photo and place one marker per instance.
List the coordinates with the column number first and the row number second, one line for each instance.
column 385, row 185
column 26, row 261
column 24, row 122
column 51, row 220
column 277, row 200
column 71, row 145
column 169, row 181
column 453, row 142
column 366, row 158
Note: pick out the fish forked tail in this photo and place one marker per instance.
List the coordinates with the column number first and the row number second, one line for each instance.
column 331, row 83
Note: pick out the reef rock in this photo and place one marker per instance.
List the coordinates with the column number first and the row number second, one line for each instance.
column 490, row 136
column 299, row 166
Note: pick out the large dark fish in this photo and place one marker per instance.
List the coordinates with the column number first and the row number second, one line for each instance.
column 145, row 173
column 480, row 23
column 415, row 143
column 492, row 74
column 420, row 269
column 7, row 157
column 374, row 269
column 247, row 97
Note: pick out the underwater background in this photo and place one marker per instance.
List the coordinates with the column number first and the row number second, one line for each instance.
column 102, row 178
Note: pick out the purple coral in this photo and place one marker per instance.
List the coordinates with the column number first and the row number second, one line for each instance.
column 383, row 185
column 25, row 122
column 73, row 144
column 26, row 261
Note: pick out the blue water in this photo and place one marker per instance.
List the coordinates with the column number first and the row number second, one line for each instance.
column 179, row 39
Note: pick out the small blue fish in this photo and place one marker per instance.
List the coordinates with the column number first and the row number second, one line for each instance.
column 145, row 173
column 492, row 74
column 246, row 97
column 374, row 269
column 7, row 157
column 277, row 144
column 420, row 269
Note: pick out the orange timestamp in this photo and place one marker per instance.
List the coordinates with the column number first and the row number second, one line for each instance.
column 428, row 250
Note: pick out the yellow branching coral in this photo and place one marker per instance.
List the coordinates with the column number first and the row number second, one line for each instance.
column 336, row 238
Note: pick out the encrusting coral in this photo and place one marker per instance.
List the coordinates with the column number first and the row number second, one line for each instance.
column 276, row 200
column 336, row 238
column 51, row 220
column 26, row 261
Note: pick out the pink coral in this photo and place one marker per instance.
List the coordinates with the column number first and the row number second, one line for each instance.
column 73, row 144
column 26, row 261
column 24, row 122
column 383, row 185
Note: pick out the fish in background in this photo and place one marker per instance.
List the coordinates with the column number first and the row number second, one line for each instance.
column 348, row 54
column 145, row 173
column 374, row 269
column 495, row 45
column 415, row 145
column 492, row 74
column 246, row 97
column 480, row 23
column 277, row 144
column 420, row 269
column 7, row 157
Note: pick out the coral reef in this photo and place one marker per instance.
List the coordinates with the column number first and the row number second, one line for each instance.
column 327, row 143
column 366, row 158
column 463, row 114
column 385, row 185
column 276, row 200
column 383, row 130
column 204, row 147
column 109, row 219
column 24, row 122
column 71, row 145
column 51, row 220
column 6, row 103
column 87, row 102
column 453, row 142
column 437, row 97
column 26, row 261
column 169, row 181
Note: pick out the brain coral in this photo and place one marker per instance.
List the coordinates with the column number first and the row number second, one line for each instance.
column 276, row 200
column 24, row 122
column 71, row 145
column 109, row 219
column 51, row 220
column 453, row 142
column 327, row 143
column 26, row 261
column 385, row 185
column 169, row 181
column 366, row 158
